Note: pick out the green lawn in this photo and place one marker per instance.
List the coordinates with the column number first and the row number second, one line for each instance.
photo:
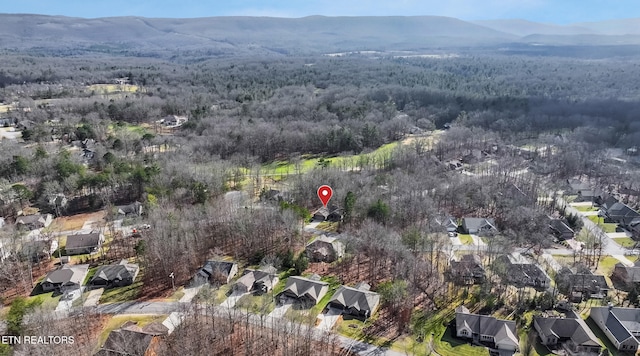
column 257, row 304
column 213, row 295
column 446, row 344
column 585, row 208
column 625, row 242
column 607, row 265
column 328, row 226
column 465, row 239
column 122, row 294
column 47, row 300
column 606, row 227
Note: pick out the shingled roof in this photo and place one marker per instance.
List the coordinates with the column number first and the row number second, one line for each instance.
column 301, row 287
column 362, row 301
column 503, row 331
column 572, row 327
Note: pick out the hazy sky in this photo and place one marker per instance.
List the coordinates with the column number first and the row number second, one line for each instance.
column 553, row 11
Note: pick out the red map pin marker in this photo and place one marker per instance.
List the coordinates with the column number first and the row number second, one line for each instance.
column 324, row 193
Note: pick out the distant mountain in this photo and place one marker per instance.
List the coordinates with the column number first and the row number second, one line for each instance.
column 523, row 28
column 309, row 34
column 267, row 35
column 614, row 27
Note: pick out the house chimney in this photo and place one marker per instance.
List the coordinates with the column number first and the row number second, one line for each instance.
column 610, row 306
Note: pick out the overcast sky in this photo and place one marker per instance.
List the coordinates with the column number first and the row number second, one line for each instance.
column 550, row 11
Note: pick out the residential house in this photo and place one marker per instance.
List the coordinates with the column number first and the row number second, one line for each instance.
column 65, row 277
column 623, row 215
column 581, row 285
column 132, row 340
column 307, row 292
column 468, row 270
column 449, row 223
column 117, row 275
column 39, row 250
column 570, row 334
column 479, row 226
column 576, row 185
column 8, row 121
column 84, row 243
column 495, row 333
column 331, row 213
column 626, row 275
column 595, row 196
column 256, row 281
column 518, row 271
column 620, row 325
column 560, row 229
column 324, row 249
column 133, row 209
column 36, row 221
column 358, row 302
column 453, row 164
column 216, row 272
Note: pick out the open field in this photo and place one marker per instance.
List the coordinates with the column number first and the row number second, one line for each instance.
column 113, row 88
column 75, row 222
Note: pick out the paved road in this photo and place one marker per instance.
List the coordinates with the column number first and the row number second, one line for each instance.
column 361, row 348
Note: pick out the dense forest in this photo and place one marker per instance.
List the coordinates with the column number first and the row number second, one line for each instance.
column 97, row 149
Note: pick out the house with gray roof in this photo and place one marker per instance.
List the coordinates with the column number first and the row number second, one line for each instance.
column 560, row 229
column 65, row 277
column 620, row 325
column 449, row 223
column 307, row 292
column 84, row 243
column 487, row 330
column 216, row 272
column 117, row 275
column 570, row 334
column 132, row 340
column 358, row 302
column 133, row 209
column 626, row 275
column 582, row 284
column 479, row 226
column 468, row 270
column 517, row 270
column 36, row 221
column 256, row 281
column 324, row 249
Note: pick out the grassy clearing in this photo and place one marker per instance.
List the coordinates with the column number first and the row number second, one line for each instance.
column 47, row 300
column 328, row 226
column 123, row 294
column 585, row 208
column 606, row 227
column 90, row 273
column 625, row 242
column 257, row 304
column 179, row 293
column 212, row 295
column 112, row 88
column 117, row 321
column 465, row 239
column 446, row 344
column 607, row 264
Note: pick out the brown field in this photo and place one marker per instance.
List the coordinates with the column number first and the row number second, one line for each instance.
column 75, row 222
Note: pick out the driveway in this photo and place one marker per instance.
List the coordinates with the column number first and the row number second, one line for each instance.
column 329, row 319
column 94, row 297
column 477, row 240
column 231, row 301
column 190, row 293
column 280, row 310
column 66, row 301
